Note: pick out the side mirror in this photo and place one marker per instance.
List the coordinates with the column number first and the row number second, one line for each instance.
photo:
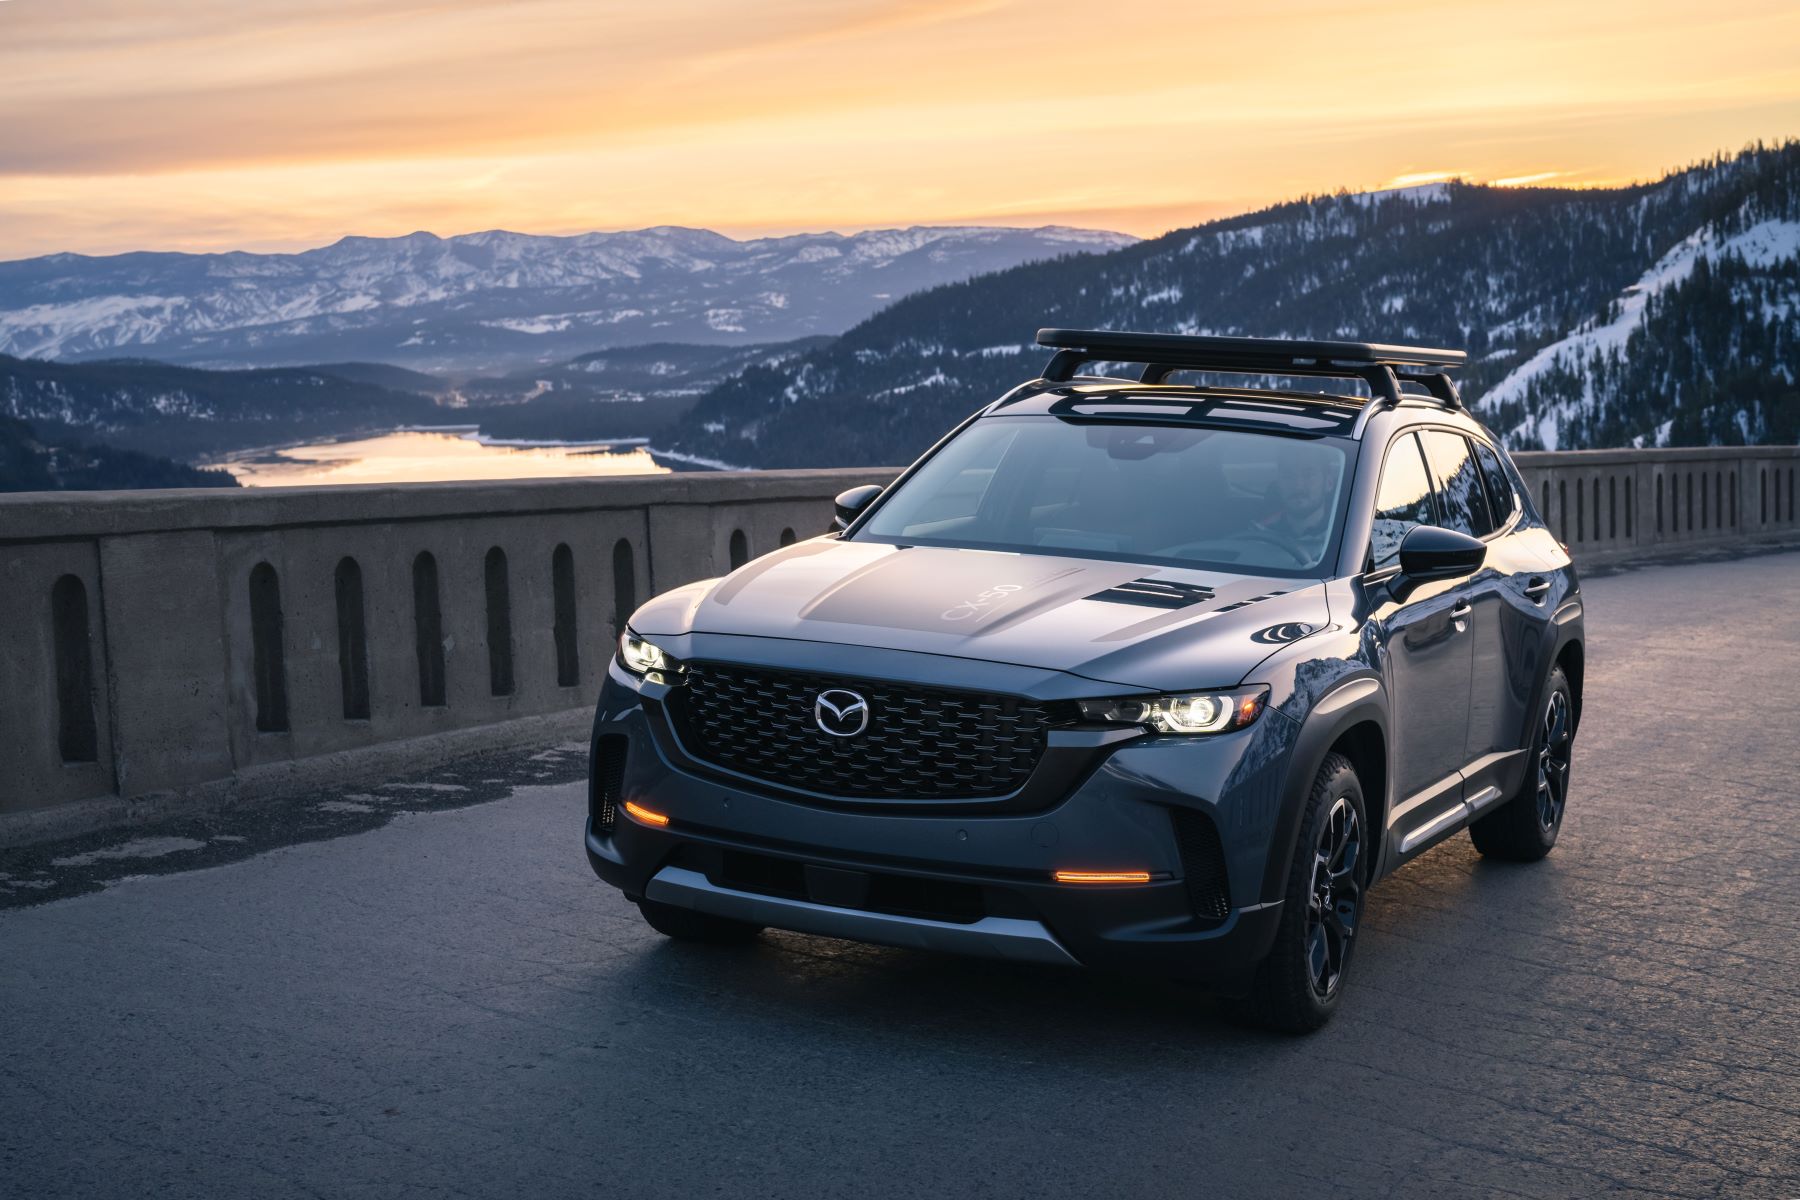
column 850, row 504
column 1429, row 553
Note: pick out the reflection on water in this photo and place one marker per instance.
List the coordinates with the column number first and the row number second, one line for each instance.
column 432, row 456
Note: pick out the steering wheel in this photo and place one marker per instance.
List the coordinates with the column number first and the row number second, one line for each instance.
column 1273, row 539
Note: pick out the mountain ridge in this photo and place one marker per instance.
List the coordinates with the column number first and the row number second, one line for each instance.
column 490, row 301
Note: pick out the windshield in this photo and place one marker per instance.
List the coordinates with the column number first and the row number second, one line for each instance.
column 1257, row 503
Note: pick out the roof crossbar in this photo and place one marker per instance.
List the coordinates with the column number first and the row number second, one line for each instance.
column 1382, row 367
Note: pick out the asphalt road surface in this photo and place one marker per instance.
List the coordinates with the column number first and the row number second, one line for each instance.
column 438, row 999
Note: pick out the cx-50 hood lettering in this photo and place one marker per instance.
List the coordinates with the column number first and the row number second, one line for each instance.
column 1136, row 625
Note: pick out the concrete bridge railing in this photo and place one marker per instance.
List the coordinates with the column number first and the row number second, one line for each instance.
column 211, row 644
column 1613, row 506
column 208, row 642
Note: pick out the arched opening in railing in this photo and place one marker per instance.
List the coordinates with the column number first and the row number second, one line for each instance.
column 562, row 594
column 1580, row 515
column 499, row 623
column 1690, row 502
column 624, row 575
column 428, row 630
column 1733, row 493
column 268, row 664
column 1562, row 510
column 1762, row 493
column 1628, row 506
column 353, row 639
column 1612, row 506
column 787, row 537
column 1659, row 504
column 740, row 549
column 76, row 737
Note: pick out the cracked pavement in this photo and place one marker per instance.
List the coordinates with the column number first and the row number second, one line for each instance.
column 407, row 990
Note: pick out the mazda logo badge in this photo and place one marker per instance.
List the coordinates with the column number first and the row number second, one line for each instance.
column 841, row 713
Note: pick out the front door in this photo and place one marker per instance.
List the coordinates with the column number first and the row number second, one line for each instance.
column 1429, row 656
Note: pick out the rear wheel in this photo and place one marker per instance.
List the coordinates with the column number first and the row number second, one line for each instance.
column 1524, row 828
column 689, row 925
column 1299, row 985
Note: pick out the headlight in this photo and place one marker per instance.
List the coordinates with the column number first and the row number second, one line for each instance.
column 641, row 657
column 1196, row 712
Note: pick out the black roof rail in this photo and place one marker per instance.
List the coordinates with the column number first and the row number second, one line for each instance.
column 1382, row 367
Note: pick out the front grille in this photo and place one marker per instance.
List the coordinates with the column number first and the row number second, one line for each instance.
column 606, row 777
column 920, row 744
column 1202, row 865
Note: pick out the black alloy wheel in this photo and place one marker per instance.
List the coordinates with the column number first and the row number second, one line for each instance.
column 1555, row 741
column 1335, row 906
column 1526, row 825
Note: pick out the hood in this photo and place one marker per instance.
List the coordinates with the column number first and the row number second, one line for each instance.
column 1163, row 628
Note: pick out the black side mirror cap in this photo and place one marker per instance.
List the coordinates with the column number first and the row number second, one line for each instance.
column 1430, row 553
column 850, row 504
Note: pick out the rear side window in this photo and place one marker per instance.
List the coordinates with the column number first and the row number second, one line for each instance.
column 1462, row 504
column 1403, row 502
column 1499, row 487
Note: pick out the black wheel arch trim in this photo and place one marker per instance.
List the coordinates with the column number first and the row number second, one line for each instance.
column 1358, row 700
column 1567, row 632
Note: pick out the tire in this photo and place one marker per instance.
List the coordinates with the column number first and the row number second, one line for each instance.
column 1300, row 984
column 1524, row 828
column 690, row 925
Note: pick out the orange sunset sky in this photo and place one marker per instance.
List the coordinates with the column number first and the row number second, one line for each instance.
column 280, row 124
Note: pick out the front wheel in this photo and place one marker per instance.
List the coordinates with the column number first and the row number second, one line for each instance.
column 1524, row 828
column 1299, row 985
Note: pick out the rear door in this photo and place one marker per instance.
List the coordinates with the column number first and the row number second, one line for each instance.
column 1509, row 666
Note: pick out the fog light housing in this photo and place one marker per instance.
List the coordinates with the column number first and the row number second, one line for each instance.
column 1101, row 876
column 647, row 815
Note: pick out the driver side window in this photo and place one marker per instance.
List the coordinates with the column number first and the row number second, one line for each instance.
column 1402, row 502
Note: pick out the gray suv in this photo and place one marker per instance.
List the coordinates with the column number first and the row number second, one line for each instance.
column 1127, row 673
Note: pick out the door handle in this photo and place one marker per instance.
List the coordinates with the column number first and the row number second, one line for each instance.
column 1459, row 616
column 1538, row 588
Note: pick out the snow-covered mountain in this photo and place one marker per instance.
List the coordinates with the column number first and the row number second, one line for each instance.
column 491, row 302
column 1662, row 313
column 1704, row 347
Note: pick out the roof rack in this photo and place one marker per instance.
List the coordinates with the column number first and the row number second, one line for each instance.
column 1383, row 368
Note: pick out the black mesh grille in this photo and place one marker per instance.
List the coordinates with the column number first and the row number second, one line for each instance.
column 1202, row 865
column 920, row 743
column 606, row 776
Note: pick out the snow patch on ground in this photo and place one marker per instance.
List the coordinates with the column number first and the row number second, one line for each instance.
column 149, row 847
column 539, row 325
column 696, row 459
column 1419, row 193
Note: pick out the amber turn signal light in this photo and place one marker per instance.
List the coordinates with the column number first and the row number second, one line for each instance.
column 645, row 815
column 1103, row 877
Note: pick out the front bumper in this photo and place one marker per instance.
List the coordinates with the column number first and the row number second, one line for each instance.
column 978, row 881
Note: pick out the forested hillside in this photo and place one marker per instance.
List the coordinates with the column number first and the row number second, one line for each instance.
column 187, row 413
column 29, row 463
